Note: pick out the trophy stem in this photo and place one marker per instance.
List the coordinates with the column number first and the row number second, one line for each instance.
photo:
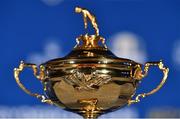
column 90, row 115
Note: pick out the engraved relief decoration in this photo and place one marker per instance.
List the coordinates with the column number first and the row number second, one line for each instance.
column 84, row 81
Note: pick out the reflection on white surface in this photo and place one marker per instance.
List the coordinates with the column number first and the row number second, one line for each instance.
column 52, row 2
column 176, row 53
column 164, row 112
column 129, row 45
column 37, row 112
column 51, row 50
column 34, row 112
column 126, row 112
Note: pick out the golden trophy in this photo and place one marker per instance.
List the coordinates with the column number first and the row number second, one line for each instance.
column 90, row 80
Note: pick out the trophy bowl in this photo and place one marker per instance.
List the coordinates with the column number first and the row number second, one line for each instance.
column 90, row 80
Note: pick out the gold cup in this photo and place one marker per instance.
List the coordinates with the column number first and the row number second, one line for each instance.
column 90, row 80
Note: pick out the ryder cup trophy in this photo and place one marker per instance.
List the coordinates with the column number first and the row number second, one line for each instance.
column 90, row 80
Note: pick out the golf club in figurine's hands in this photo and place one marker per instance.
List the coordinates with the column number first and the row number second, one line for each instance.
column 90, row 80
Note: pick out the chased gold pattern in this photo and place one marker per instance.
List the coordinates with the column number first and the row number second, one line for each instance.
column 82, row 81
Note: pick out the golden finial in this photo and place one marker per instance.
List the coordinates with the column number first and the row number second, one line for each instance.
column 89, row 41
column 87, row 15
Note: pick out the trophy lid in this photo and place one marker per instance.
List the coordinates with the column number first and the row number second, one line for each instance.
column 89, row 48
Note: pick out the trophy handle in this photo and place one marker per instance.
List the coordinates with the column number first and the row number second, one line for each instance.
column 41, row 76
column 165, row 71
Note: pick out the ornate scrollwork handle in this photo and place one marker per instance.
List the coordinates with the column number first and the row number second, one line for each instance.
column 41, row 76
column 165, row 71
